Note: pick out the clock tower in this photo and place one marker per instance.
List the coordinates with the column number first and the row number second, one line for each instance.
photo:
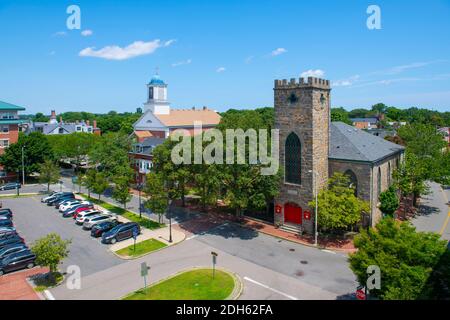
column 157, row 96
column 302, row 115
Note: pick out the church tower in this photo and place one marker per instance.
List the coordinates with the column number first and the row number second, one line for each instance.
column 302, row 115
column 157, row 96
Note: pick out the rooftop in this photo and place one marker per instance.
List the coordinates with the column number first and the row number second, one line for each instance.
column 187, row 117
column 350, row 143
column 9, row 106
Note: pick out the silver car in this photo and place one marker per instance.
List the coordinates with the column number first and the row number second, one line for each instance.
column 89, row 222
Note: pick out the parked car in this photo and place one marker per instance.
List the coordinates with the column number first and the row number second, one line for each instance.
column 6, row 213
column 5, row 218
column 10, row 186
column 62, row 197
column 72, row 204
column 54, row 195
column 98, row 229
column 73, row 212
column 4, row 230
column 89, row 222
column 63, row 201
column 12, row 248
column 17, row 261
column 6, row 223
column 10, row 239
column 120, row 232
column 86, row 214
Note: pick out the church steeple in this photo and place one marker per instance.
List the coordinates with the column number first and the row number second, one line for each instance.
column 157, row 96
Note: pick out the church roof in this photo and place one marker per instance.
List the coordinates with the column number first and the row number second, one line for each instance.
column 350, row 143
column 156, row 80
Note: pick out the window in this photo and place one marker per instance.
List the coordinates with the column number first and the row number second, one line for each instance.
column 379, row 181
column 4, row 143
column 353, row 181
column 150, row 93
column 389, row 174
column 60, row 130
column 293, row 154
column 4, row 128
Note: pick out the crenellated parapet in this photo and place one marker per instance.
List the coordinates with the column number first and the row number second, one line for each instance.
column 302, row 83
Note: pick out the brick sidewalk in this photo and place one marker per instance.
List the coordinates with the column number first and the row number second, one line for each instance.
column 14, row 286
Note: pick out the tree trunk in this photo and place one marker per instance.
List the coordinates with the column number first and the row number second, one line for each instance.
column 48, row 187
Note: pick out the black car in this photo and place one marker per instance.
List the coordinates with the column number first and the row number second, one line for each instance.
column 53, row 195
column 10, row 239
column 17, row 261
column 6, row 223
column 6, row 213
column 103, row 227
column 120, row 232
column 10, row 186
column 60, row 198
column 12, row 248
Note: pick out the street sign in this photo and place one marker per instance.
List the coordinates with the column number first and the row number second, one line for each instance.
column 144, row 269
column 360, row 293
column 214, row 261
column 135, row 233
column 278, row 209
column 307, row 215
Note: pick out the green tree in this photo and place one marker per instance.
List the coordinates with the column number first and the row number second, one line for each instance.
column 88, row 180
column 340, row 114
column 121, row 192
column 50, row 251
column 100, row 184
column 389, row 201
column 406, row 259
column 207, row 182
column 338, row 207
column 48, row 173
column 157, row 195
column 36, row 150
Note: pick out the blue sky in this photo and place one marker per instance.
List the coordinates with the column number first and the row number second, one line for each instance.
column 222, row 54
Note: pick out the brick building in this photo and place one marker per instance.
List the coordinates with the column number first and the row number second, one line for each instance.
column 312, row 148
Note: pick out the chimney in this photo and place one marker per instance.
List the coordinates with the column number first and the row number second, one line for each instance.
column 60, row 120
column 53, row 115
column 205, row 108
column 95, row 124
column 193, row 108
column 88, row 123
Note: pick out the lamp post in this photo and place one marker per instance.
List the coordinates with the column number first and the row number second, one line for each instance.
column 317, row 208
column 23, row 166
column 170, row 222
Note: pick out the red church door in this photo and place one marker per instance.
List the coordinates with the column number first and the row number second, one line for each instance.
column 292, row 213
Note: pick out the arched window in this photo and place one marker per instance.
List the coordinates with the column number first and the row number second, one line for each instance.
column 389, row 174
column 292, row 162
column 379, row 181
column 353, row 180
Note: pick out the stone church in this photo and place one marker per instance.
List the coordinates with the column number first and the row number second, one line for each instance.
column 312, row 148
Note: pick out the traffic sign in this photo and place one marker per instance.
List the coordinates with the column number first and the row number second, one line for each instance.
column 144, row 269
column 360, row 293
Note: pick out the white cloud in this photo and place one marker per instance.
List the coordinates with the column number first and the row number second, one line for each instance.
column 278, row 51
column 249, row 59
column 220, row 69
column 181, row 63
column 346, row 82
column 402, row 68
column 60, row 34
column 52, row 53
column 313, row 73
column 87, row 33
column 169, row 42
column 137, row 48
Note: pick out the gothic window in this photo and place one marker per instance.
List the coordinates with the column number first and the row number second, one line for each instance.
column 379, row 181
column 293, row 154
column 353, row 181
column 150, row 93
column 389, row 174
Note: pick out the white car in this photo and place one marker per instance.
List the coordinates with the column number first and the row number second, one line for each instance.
column 50, row 196
column 89, row 222
column 80, row 217
column 71, row 204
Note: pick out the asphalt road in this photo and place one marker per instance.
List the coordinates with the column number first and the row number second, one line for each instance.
column 34, row 220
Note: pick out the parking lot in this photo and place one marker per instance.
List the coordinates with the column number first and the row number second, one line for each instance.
column 34, row 220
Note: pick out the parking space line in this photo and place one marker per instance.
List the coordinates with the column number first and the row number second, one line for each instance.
column 269, row 288
column 49, row 295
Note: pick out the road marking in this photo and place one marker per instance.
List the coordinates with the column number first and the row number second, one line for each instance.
column 269, row 288
column 445, row 224
column 329, row 251
column 49, row 295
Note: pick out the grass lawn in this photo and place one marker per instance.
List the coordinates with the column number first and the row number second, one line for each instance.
column 143, row 222
column 141, row 248
column 191, row 285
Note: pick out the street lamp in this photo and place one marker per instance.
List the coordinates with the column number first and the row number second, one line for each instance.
column 170, row 222
column 317, row 208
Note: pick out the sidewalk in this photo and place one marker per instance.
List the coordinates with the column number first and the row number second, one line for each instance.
column 14, row 286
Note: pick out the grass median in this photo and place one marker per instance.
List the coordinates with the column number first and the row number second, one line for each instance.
column 143, row 222
column 197, row 284
column 142, row 248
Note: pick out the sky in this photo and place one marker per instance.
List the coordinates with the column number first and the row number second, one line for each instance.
column 222, row 54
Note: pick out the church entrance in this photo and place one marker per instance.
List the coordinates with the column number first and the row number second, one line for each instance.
column 292, row 213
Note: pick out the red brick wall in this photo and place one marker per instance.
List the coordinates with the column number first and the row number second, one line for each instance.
column 13, row 135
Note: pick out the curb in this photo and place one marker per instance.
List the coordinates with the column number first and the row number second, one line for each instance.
column 234, row 295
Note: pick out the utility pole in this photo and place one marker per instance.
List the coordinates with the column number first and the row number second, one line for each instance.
column 317, row 207
column 23, row 167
